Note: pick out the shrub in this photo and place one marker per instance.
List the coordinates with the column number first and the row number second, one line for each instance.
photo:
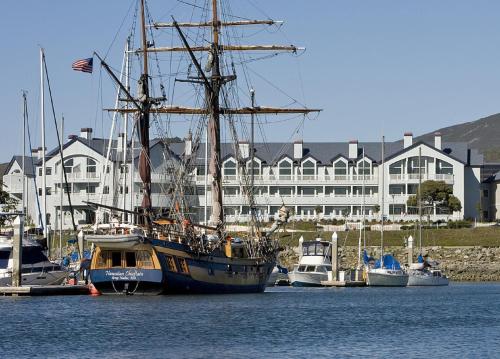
column 459, row 224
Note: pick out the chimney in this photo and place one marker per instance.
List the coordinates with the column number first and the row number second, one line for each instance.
column 121, row 142
column 407, row 139
column 437, row 140
column 40, row 152
column 244, row 149
column 353, row 149
column 298, row 149
column 86, row 133
column 188, row 145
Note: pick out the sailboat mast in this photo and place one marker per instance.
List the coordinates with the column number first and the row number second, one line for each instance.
column 44, row 179
column 214, row 126
column 25, row 110
column 144, row 163
column 61, row 195
column 362, row 210
column 382, row 207
column 420, row 199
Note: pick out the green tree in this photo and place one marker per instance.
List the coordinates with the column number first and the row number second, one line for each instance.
column 436, row 193
column 7, row 203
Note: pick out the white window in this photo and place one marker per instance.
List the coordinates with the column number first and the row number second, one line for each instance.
column 230, row 168
column 340, row 169
column 285, row 168
column 308, row 168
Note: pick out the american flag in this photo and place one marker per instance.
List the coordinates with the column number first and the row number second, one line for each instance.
column 84, row 65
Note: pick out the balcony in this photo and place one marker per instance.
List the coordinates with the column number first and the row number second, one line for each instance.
column 83, row 176
column 414, row 177
column 269, row 179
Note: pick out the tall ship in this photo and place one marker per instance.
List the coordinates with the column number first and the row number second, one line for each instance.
column 188, row 254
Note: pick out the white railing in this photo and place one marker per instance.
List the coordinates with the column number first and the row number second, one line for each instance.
column 425, row 177
column 83, row 175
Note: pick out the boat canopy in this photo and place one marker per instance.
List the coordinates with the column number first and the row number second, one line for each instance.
column 389, row 262
column 316, row 248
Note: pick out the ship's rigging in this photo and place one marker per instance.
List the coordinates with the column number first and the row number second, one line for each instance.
column 218, row 80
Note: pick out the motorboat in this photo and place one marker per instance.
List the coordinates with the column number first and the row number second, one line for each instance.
column 315, row 262
column 37, row 269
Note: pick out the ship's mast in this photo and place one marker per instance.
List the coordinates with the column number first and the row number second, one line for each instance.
column 144, row 164
column 211, row 108
column 212, row 98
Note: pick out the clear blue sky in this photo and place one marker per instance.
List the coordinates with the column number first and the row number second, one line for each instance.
column 385, row 66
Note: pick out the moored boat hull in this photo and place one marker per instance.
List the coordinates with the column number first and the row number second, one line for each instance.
column 298, row 279
column 128, row 281
column 384, row 279
column 37, row 278
column 426, row 279
column 187, row 273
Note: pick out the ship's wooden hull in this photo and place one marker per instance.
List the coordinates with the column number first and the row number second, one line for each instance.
column 185, row 272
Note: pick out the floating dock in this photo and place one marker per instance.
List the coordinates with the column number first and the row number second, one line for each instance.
column 343, row 283
column 44, row 290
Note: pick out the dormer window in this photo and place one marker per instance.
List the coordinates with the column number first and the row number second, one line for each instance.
column 230, row 168
column 256, row 168
column 340, row 169
column 308, row 168
column 285, row 168
column 364, row 168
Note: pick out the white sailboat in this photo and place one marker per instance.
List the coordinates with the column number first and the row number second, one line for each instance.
column 422, row 273
column 386, row 272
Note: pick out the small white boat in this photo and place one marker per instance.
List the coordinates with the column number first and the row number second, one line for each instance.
column 36, row 267
column 386, row 277
column 419, row 275
column 314, row 264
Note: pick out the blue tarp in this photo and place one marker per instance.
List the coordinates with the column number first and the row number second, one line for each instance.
column 282, row 269
column 389, row 262
column 367, row 259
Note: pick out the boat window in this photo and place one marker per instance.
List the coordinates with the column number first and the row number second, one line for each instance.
column 144, row 259
column 183, row 265
column 102, row 259
column 321, row 269
column 130, row 259
column 310, row 269
column 116, row 259
column 302, row 268
column 4, row 259
column 304, row 250
column 171, row 264
column 319, row 249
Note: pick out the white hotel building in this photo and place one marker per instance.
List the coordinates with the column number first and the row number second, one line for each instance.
column 316, row 180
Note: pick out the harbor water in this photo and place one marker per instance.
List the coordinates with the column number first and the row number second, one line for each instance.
column 462, row 320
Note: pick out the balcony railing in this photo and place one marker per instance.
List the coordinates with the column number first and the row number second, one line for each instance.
column 320, row 178
column 425, row 177
column 83, row 176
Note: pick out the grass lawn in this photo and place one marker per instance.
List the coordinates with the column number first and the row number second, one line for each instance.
column 485, row 236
